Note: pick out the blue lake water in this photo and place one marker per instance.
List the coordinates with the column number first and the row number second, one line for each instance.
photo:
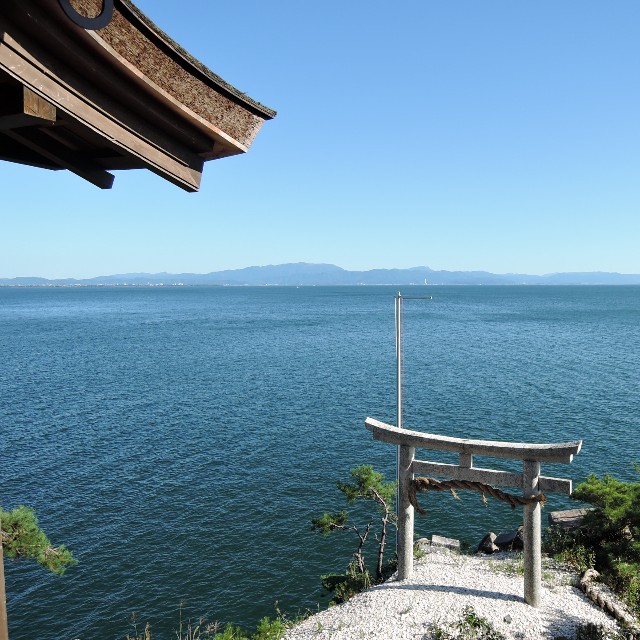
column 179, row 440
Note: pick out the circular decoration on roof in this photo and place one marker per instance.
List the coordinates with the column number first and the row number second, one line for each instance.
column 99, row 22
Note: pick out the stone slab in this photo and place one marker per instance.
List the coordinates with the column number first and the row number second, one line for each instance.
column 441, row 541
column 568, row 519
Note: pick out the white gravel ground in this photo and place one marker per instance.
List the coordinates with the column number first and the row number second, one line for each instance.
column 444, row 583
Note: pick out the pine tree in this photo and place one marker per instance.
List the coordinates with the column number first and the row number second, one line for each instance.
column 367, row 485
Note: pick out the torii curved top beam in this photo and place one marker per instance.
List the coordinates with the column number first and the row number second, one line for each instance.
column 559, row 452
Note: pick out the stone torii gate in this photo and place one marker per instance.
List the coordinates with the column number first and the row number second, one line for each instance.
column 530, row 482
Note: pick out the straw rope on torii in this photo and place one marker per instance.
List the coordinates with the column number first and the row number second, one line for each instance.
column 431, row 484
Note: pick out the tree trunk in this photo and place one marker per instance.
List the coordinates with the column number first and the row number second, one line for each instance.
column 358, row 554
column 383, row 539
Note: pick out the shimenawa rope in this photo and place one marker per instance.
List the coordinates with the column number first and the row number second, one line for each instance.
column 431, row 484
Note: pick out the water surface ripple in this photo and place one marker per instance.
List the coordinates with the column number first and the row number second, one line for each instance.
column 179, row 440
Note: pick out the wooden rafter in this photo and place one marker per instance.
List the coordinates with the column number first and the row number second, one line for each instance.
column 65, row 159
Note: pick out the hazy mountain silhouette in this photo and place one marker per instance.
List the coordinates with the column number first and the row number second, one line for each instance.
column 305, row 274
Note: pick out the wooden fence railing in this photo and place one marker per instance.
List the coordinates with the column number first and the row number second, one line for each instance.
column 529, row 481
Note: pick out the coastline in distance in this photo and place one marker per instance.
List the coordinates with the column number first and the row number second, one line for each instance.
column 307, row 274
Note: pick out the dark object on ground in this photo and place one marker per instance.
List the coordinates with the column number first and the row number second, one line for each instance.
column 487, row 544
column 510, row 540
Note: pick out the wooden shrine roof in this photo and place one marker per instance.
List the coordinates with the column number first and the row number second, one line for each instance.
column 93, row 86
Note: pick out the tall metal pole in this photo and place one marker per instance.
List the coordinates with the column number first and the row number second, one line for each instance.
column 399, row 352
column 404, row 462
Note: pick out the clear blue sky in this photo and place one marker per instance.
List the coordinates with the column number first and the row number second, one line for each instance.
column 456, row 134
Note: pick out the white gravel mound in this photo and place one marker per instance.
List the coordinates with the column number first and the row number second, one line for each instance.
column 443, row 585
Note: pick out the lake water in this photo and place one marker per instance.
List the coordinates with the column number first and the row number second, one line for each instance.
column 179, row 440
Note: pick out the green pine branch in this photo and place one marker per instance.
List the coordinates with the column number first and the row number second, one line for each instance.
column 22, row 538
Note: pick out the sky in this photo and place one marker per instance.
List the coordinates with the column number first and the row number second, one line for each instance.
column 455, row 134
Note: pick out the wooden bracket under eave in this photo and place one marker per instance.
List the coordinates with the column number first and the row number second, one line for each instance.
column 34, row 111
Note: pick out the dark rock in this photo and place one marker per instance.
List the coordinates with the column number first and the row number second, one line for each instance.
column 508, row 619
column 487, row 544
column 510, row 540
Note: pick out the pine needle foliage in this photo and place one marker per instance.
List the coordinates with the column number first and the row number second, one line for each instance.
column 368, row 485
column 329, row 522
column 22, row 538
column 617, row 501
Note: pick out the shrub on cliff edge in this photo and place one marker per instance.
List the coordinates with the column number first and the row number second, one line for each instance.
column 609, row 537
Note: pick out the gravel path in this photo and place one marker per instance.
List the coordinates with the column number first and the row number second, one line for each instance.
column 444, row 583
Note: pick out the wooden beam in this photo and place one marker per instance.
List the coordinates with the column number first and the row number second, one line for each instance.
column 19, row 120
column 98, row 177
column 34, row 111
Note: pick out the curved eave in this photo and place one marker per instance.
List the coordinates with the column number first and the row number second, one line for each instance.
column 198, row 68
column 124, row 96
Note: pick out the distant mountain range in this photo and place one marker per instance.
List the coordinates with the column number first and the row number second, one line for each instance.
column 305, row 274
